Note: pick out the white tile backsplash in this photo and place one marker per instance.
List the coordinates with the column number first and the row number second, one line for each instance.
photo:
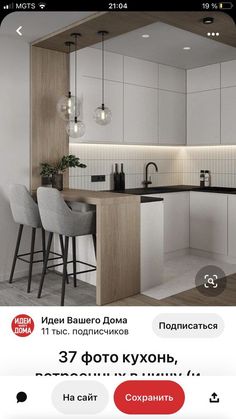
column 220, row 160
column 177, row 165
column 100, row 160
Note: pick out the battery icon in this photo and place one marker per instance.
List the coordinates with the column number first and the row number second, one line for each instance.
column 226, row 5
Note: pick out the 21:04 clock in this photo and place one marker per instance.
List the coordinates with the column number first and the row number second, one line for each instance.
column 117, row 6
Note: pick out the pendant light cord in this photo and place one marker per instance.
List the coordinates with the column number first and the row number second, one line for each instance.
column 76, row 110
column 103, row 69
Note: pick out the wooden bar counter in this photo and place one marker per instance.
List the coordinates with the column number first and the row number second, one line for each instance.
column 118, row 242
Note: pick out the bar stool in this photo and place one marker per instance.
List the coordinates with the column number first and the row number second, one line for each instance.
column 58, row 218
column 25, row 212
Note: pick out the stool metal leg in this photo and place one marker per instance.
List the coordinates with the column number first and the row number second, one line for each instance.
column 65, row 258
column 31, row 258
column 62, row 252
column 16, row 252
column 45, row 264
column 74, row 260
column 43, row 244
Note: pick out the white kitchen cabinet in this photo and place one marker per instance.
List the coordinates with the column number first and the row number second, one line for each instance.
column 90, row 64
column 176, row 220
column 172, row 78
column 208, row 222
column 90, row 96
column 228, row 119
column 228, row 73
column 203, row 78
column 232, row 226
column 140, row 115
column 140, row 72
column 203, row 122
column 172, row 117
column 151, row 242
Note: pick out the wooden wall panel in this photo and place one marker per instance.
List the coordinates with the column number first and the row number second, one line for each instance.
column 49, row 81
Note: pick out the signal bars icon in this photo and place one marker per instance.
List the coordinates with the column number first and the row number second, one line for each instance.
column 42, row 5
column 9, row 6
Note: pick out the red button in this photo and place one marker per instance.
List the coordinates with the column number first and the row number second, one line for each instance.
column 149, row 397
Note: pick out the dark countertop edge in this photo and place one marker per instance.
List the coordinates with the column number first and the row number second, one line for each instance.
column 178, row 188
column 146, row 199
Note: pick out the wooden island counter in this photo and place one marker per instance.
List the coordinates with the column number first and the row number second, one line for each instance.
column 118, row 242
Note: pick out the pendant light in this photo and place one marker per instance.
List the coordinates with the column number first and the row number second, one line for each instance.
column 67, row 103
column 102, row 114
column 75, row 128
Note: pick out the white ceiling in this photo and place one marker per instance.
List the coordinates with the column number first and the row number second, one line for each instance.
column 39, row 24
column 165, row 46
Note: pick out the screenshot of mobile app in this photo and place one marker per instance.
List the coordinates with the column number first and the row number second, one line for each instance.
column 117, row 210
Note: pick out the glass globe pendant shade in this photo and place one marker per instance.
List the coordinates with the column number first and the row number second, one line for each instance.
column 67, row 106
column 75, row 128
column 102, row 115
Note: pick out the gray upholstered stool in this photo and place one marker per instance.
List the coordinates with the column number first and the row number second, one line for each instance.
column 58, row 218
column 25, row 212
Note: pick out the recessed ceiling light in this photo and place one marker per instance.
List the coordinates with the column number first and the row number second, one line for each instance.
column 145, row 35
column 186, row 48
column 208, row 20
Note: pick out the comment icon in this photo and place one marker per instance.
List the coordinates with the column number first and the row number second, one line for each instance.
column 21, row 397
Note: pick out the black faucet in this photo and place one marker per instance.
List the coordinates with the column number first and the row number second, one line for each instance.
column 147, row 182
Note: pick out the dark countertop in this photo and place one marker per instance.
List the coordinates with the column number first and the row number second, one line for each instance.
column 145, row 199
column 177, row 188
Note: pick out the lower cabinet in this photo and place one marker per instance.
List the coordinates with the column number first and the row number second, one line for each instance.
column 232, row 226
column 151, row 244
column 208, row 222
column 176, row 221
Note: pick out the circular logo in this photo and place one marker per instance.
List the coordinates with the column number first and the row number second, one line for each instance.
column 211, row 281
column 22, row 325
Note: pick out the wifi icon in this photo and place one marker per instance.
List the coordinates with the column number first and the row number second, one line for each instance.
column 42, row 5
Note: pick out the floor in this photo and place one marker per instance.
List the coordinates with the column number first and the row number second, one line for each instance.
column 180, row 273
column 84, row 295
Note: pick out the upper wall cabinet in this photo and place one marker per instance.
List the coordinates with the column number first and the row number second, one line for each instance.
column 90, row 96
column 203, row 105
column 140, row 115
column 172, row 112
column 203, row 122
column 228, row 74
column 228, row 120
column 140, row 72
column 90, row 64
column 171, row 78
column 203, row 78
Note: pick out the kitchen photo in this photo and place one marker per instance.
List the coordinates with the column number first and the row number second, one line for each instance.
column 118, row 159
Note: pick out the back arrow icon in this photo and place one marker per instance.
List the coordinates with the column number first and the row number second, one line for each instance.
column 18, row 30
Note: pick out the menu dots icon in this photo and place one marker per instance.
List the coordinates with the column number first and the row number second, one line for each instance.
column 213, row 34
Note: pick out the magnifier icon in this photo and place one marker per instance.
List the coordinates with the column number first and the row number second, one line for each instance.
column 210, row 281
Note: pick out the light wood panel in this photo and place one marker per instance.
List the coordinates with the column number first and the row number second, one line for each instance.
column 49, row 81
column 118, row 23
column 118, row 242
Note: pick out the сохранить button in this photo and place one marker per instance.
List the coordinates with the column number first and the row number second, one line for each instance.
column 149, row 397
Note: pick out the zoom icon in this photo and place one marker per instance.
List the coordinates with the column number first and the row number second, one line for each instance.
column 211, row 281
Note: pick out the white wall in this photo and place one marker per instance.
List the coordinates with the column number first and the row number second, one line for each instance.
column 14, row 139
